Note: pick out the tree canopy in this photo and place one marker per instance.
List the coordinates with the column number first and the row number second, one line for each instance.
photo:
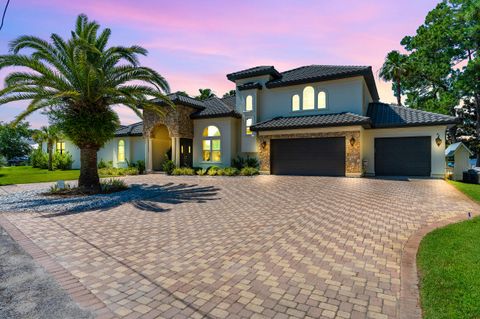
column 13, row 140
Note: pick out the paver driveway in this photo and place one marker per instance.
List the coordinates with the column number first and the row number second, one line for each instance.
column 269, row 246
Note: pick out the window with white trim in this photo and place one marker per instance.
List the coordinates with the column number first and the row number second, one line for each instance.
column 249, row 103
column 308, row 98
column 121, row 151
column 296, row 102
column 322, row 100
column 248, row 124
column 211, row 144
column 60, row 147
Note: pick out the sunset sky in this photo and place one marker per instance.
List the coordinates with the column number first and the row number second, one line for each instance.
column 194, row 44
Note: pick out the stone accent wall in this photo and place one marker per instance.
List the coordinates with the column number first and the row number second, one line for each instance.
column 353, row 161
column 177, row 121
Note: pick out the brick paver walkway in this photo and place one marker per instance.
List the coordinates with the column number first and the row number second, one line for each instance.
column 269, row 246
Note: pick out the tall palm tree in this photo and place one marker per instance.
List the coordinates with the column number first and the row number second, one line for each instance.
column 49, row 135
column 77, row 81
column 395, row 69
column 205, row 94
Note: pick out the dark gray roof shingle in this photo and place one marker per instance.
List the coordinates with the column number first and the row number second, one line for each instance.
column 310, row 121
column 130, row 130
column 215, row 107
column 183, row 100
column 255, row 71
column 386, row 115
column 316, row 73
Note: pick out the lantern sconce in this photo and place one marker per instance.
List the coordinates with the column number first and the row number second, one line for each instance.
column 352, row 141
column 263, row 145
column 438, row 140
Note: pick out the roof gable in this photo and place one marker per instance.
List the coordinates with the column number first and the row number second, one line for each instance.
column 135, row 129
column 453, row 148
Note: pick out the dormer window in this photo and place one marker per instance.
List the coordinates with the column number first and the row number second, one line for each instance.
column 296, row 102
column 322, row 100
column 248, row 103
column 308, row 98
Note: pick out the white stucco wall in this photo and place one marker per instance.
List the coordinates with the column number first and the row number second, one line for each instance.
column 228, row 137
column 437, row 152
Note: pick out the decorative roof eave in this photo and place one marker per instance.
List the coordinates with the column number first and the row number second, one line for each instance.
column 249, row 86
column 253, row 72
column 400, row 125
column 364, row 124
column 234, row 114
column 183, row 100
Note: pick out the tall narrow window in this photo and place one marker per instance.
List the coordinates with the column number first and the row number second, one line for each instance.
column 322, row 100
column 248, row 124
column 211, row 144
column 121, row 151
column 249, row 103
column 60, row 147
column 295, row 102
column 308, row 98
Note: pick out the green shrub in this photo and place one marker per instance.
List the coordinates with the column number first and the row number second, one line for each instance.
column 39, row 159
column 103, row 164
column 113, row 171
column 62, row 161
column 231, row 171
column 141, row 167
column 212, row 171
column 113, row 185
column 249, row 171
column 3, row 161
column 168, row 166
column 183, row 171
column 202, row 172
column 240, row 162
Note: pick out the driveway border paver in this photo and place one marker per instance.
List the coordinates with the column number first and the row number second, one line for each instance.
column 409, row 302
column 78, row 292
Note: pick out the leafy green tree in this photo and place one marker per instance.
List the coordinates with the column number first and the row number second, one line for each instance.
column 205, row 94
column 230, row 93
column 13, row 140
column 395, row 69
column 49, row 135
column 77, row 81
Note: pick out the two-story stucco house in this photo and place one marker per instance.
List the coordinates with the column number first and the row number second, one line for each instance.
column 312, row 120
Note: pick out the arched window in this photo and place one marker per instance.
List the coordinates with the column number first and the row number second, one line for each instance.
column 296, row 102
column 249, row 103
column 308, row 98
column 248, row 123
column 322, row 100
column 121, row 151
column 211, row 144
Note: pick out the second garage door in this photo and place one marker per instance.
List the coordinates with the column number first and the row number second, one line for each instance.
column 403, row 156
column 308, row 156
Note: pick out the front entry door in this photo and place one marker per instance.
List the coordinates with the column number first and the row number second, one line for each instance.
column 186, row 157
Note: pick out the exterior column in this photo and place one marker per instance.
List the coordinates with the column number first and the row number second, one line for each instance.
column 148, row 154
column 176, row 151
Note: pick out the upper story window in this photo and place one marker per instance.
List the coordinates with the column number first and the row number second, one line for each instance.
column 308, row 98
column 211, row 144
column 60, row 147
column 249, row 103
column 121, row 151
column 322, row 100
column 296, row 102
column 248, row 124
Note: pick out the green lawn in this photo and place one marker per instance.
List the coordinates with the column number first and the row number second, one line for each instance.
column 449, row 267
column 471, row 190
column 28, row 174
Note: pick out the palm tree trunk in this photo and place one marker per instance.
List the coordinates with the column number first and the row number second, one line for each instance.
column 89, row 182
column 399, row 93
column 50, row 155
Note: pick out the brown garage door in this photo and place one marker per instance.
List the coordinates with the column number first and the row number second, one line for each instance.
column 403, row 156
column 308, row 156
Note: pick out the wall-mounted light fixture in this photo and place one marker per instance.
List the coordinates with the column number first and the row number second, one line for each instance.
column 438, row 140
column 352, row 141
column 263, row 145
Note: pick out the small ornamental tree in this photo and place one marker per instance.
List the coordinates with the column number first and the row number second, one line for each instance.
column 77, row 82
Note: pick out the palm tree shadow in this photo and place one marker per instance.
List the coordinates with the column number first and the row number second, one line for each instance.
column 142, row 196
